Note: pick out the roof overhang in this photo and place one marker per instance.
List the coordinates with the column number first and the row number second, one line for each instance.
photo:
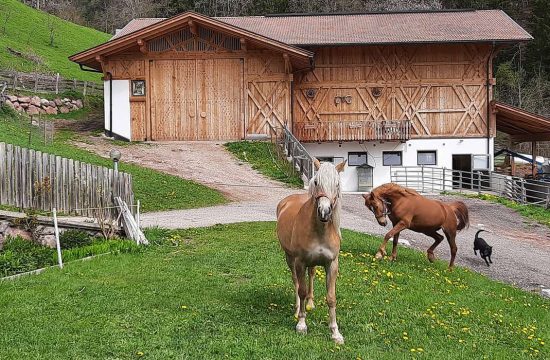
column 521, row 125
column 92, row 57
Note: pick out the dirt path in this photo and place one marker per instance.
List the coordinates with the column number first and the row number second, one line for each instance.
column 521, row 248
column 204, row 162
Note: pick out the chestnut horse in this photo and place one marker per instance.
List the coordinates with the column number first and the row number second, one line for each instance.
column 308, row 228
column 407, row 209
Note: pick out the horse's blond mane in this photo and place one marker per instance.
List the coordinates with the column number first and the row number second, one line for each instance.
column 390, row 188
column 328, row 180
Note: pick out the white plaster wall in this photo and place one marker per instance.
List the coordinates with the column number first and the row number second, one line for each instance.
column 445, row 149
column 121, row 107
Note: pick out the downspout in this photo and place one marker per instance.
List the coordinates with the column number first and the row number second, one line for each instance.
column 110, row 95
column 489, row 63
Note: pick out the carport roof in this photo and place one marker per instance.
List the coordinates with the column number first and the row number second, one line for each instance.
column 521, row 125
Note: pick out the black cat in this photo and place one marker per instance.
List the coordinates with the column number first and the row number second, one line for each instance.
column 485, row 251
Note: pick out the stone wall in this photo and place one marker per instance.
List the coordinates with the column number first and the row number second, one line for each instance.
column 34, row 105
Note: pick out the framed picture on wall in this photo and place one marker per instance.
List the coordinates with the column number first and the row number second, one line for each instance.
column 138, row 87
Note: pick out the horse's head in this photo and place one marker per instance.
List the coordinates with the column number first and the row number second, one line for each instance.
column 377, row 206
column 325, row 188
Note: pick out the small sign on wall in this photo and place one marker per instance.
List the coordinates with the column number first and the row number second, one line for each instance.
column 138, row 87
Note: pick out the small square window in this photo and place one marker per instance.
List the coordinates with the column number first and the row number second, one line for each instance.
column 357, row 158
column 138, row 87
column 392, row 158
column 426, row 157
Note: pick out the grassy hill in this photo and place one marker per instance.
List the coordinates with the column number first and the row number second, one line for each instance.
column 27, row 30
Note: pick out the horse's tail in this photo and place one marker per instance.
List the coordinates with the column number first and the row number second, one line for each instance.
column 461, row 212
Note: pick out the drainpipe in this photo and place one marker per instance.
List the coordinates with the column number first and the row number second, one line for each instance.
column 489, row 63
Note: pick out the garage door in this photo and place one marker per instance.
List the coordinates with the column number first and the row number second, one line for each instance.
column 196, row 99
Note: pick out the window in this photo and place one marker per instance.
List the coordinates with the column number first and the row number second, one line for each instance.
column 426, row 157
column 138, row 87
column 331, row 159
column 392, row 158
column 357, row 158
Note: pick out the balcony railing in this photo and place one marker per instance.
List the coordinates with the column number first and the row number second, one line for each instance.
column 394, row 130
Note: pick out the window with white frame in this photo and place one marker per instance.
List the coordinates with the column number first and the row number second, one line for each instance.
column 426, row 157
column 392, row 158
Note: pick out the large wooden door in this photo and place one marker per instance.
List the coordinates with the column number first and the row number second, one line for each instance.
column 198, row 99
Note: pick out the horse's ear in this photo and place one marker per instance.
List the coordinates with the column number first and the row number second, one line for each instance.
column 366, row 196
column 340, row 167
column 316, row 163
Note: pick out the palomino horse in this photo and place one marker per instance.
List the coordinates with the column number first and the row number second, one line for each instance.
column 407, row 209
column 308, row 227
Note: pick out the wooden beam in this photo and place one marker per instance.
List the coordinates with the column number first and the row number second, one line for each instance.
column 142, row 46
column 542, row 136
column 288, row 64
column 243, row 44
column 192, row 27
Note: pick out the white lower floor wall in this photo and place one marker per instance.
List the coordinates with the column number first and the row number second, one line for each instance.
column 408, row 152
column 121, row 108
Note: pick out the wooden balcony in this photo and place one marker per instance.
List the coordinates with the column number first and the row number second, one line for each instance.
column 394, row 130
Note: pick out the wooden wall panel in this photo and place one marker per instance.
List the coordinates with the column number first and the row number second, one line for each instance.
column 268, row 94
column 439, row 88
column 138, row 118
column 126, row 68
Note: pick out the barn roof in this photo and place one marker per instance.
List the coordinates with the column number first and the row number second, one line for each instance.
column 520, row 124
column 373, row 28
column 93, row 57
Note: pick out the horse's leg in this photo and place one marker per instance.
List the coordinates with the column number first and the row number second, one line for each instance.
column 290, row 263
column 300, row 267
column 332, row 273
column 451, row 237
column 438, row 239
column 400, row 226
column 394, row 248
column 310, row 304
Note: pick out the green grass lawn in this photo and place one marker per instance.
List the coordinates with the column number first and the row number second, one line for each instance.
column 157, row 191
column 28, row 30
column 263, row 158
column 225, row 292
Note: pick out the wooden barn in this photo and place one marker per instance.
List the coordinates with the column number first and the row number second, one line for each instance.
column 377, row 89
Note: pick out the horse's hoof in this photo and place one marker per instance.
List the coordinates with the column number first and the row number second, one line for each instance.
column 379, row 256
column 431, row 257
column 310, row 306
column 301, row 328
column 338, row 339
column 393, row 258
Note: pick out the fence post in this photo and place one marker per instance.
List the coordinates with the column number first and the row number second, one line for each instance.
column 138, row 214
column 14, row 81
column 35, row 82
column 444, row 178
column 57, row 243
column 84, row 91
column 548, row 198
column 57, row 83
column 422, row 177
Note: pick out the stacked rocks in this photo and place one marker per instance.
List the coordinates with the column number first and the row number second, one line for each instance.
column 34, row 105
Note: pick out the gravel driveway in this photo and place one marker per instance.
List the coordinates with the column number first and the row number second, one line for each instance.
column 521, row 248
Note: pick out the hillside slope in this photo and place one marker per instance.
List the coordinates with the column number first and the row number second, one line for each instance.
column 27, row 30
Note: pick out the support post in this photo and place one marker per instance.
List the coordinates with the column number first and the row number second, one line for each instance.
column 57, row 243
column 534, row 158
column 138, row 214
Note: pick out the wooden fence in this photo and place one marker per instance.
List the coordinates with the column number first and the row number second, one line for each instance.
column 31, row 179
column 41, row 83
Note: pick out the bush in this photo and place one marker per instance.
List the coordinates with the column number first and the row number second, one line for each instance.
column 74, row 238
column 20, row 255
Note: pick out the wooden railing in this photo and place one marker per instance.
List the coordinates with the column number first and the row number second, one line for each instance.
column 292, row 150
column 42, row 83
column 394, row 130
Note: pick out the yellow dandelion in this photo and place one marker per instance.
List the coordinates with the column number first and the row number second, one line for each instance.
column 184, row 307
column 139, row 353
column 419, row 349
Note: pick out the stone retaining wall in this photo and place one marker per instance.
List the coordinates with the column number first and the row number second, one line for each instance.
column 34, row 105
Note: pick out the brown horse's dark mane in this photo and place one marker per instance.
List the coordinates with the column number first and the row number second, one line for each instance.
column 390, row 189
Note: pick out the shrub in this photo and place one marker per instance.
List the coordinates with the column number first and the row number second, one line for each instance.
column 74, row 238
column 20, row 255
